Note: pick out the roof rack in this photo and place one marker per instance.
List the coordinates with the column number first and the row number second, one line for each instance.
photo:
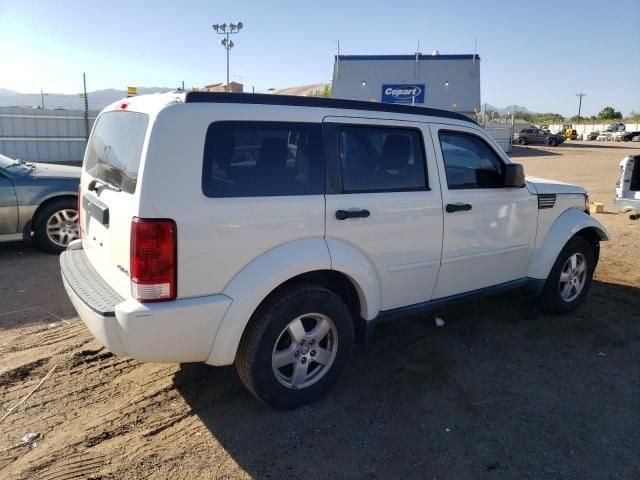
column 322, row 102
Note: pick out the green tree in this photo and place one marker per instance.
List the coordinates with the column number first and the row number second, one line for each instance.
column 609, row 113
column 325, row 92
column 546, row 118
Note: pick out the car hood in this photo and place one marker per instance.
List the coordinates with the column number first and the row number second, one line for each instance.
column 55, row 170
column 544, row 185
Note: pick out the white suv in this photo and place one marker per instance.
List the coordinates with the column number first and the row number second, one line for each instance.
column 271, row 232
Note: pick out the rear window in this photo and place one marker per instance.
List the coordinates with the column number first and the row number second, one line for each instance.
column 250, row 159
column 113, row 153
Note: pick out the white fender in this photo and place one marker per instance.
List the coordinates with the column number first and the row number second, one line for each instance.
column 565, row 226
column 353, row 263
column 255, row 281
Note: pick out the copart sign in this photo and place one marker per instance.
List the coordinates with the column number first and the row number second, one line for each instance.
column 395, row 93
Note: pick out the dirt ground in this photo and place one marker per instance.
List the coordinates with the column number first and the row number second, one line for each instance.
column 501, row 391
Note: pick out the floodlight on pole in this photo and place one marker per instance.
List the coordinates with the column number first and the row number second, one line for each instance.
column 226, row 30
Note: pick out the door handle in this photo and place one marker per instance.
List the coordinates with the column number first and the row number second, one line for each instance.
column 458, row 207
column 344, row 214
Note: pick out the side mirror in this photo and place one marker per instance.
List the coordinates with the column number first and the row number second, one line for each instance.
column 514, row 175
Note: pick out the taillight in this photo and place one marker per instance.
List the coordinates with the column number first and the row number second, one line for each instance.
column 153, row 266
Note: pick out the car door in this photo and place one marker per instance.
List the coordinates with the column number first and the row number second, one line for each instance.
column 383, row 199
column 489, row 230
column 8, row 206
column 538, row 136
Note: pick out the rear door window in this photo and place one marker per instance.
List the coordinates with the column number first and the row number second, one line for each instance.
column 249, row 159
column 379, row 159
column 115, row 148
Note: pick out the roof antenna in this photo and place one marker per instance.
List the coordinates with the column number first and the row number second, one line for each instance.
column 417, row 58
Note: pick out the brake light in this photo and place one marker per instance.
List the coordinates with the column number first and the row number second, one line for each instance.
column 153, row 266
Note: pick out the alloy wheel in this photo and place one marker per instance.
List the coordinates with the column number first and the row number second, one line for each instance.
column 305, row 350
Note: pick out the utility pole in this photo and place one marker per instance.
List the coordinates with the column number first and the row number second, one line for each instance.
column 226, row 42
column 580, row 95
column 86, row 107
column 183, row 85
column 41, row 99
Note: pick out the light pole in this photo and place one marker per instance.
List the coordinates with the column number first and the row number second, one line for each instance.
column 226, row 42
column 580, row 95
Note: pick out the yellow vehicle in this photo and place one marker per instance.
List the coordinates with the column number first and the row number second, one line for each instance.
column 571, row 133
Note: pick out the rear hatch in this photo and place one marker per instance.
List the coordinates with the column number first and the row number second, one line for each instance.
column 109, row 193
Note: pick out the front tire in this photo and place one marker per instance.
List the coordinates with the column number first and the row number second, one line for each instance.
column 552, row 142
column 295, row 346
column 522, row 141
column 570, row 278
column 56, row 225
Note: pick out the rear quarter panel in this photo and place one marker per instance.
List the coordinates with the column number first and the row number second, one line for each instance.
column 217, row 237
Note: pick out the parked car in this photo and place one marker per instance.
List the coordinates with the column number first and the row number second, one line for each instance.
column 38, row 201
column 636, row 138
column 535, row 135
column 604, row 137
column 270, row 232
column 615, row 127
column 628, row 136
column 627, row 197
column 593, row 135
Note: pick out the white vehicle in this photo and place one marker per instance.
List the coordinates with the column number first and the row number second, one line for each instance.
column 271, row 232
column 628, row 187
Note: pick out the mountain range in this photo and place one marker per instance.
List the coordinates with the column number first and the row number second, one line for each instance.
column 98, row 99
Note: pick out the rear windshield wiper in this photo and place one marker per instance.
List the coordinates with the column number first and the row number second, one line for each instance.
column 93, row 185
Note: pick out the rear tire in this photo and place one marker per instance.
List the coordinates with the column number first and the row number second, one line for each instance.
column 570, row 278
column 56, row 225
column 295, row 346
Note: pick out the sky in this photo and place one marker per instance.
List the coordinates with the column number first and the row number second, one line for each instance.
column 535, row 54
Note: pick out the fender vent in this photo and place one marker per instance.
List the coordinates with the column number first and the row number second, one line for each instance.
column 546, row 200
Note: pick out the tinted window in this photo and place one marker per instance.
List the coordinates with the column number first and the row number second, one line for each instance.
column 114, row 151
column 470, row 162
column 381, row 159
column 248, row 159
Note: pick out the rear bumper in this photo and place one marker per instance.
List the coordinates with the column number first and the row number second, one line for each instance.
column 177, row 331
column 626, row 204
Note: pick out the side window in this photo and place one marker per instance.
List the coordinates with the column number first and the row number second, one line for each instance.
column 249, row 159
column 376, row 159
column 470, row 162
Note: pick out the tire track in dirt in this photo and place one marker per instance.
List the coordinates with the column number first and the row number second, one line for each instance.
column 95, row 406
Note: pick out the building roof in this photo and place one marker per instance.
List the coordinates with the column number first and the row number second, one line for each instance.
column 322, row 102
column 222, row 83
column 421, row 56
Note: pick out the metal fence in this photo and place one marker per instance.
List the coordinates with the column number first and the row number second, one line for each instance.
column 40, row 135
column 502, row 133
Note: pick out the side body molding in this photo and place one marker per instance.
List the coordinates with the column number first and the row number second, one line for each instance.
column 255, row 281
column 570, row 222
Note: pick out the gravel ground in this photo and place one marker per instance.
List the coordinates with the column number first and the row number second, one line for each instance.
column 502, row 390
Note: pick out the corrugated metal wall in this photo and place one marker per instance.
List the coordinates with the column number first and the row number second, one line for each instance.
column 38, row 135
column 502, row 134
